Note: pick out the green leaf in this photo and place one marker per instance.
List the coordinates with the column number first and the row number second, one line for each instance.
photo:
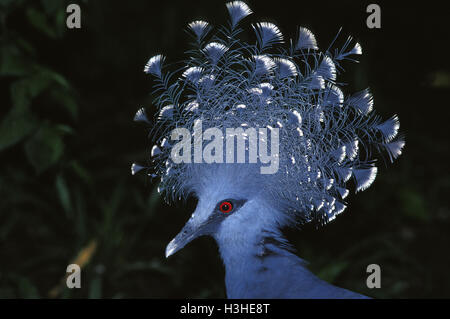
column 82, row 172
column 65, row 100
column 64, row 129
column 27, row 289
column 413, row 204
column 12, row 63
column 54, row 76
column 63, row 194
column 60, row 22
column 39, row 20
column 332, row 271
column 52, row 6
column 45, row 148
column 95, row 288
column 26, row 46
column 16, row 125
column 23, row 91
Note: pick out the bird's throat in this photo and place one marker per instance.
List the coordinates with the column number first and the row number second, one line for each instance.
column 252, row 256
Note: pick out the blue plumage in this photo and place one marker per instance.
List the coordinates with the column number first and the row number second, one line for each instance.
column 227, row 82
column 327, row 138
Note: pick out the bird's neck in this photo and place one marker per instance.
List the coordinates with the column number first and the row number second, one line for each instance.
column 248, row 245
column 254, row 254
column 259, row 264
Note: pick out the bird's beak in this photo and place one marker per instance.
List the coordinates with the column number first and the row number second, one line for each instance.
column 189, row 232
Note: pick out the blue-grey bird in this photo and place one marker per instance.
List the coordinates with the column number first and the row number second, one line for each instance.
column 301, row 137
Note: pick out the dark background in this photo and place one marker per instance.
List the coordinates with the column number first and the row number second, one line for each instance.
column 67, row 140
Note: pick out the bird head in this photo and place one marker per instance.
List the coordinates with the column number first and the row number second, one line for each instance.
column 229, row 204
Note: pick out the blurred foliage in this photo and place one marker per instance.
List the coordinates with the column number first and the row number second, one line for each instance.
column 67, row 140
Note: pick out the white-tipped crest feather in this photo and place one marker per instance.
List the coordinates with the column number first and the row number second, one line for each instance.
column 238, row 10
column 154, row 65
column 200, row 28
column 306, row 40
column 267, row 34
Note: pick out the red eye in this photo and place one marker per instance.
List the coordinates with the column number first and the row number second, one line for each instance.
column 226, row 207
